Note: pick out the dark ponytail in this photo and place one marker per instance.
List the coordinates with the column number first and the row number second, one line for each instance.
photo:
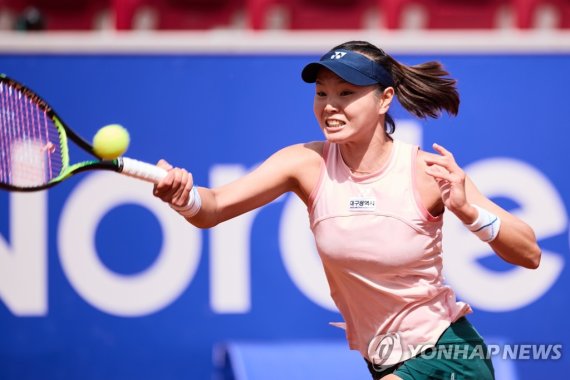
column 424, row 90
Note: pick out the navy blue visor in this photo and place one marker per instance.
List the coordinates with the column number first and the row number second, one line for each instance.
column 352, row 67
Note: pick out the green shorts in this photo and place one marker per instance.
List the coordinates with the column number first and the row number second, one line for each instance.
column 459, row 354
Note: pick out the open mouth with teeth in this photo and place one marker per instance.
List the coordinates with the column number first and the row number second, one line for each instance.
column 334, row 124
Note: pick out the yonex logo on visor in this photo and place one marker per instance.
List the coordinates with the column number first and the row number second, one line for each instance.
column 338, row 55
column 351, row 66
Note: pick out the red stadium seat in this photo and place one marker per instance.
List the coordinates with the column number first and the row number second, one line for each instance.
column 180, row 14
column 312, row 14
column 64, row 14
column 527, row 11
column 446, row 14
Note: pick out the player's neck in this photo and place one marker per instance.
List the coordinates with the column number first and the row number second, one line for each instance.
column 369, row 159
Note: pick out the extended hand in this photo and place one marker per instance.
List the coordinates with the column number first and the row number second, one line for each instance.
column 175, row 187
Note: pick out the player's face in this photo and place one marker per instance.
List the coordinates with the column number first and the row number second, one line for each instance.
column 345, row 112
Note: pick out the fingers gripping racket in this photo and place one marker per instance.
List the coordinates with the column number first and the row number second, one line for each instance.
column 34, row 150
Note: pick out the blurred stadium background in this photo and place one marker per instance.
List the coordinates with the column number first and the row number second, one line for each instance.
column 99, row 280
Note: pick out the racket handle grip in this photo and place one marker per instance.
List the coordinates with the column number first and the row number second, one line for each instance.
column 141, row 170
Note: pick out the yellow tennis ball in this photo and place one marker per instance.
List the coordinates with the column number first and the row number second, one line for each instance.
column 111, row 141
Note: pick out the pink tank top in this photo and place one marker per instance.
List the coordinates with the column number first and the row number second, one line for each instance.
column 382, row 255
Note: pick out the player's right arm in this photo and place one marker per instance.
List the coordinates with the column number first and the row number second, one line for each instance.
column 295, row 168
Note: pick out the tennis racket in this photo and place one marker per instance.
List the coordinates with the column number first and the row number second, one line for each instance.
column 34, row 150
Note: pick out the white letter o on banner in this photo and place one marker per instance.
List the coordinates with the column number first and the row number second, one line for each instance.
column 133, row 295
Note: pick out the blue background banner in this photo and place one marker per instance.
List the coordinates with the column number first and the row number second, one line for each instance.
column 100, row 280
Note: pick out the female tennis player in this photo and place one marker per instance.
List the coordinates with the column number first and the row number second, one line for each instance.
column 375, row 206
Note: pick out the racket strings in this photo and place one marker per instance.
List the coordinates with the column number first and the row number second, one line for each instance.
column 30, row 151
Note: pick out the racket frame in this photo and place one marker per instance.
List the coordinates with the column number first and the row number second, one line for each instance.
column 65, row 133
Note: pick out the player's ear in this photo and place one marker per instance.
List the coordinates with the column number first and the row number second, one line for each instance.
column 385, row 100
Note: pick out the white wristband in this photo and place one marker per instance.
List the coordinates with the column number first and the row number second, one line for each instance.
column 487, row 225
column 193, row 206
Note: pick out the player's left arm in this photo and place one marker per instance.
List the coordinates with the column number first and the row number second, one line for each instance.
column 515, row 242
